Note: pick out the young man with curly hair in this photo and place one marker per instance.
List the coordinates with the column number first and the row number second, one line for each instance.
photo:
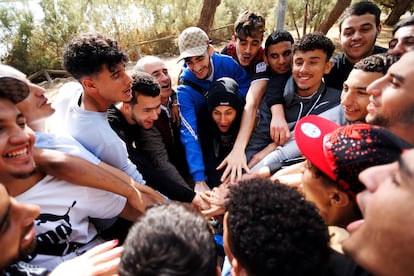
column 98, row 64
column 270, row 230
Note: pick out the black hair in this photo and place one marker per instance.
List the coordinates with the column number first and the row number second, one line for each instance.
column 315, row 41
column 87, row 53
column 143, row 84
column 402, row 23
column 361, row 8
column 272, row 230
column 170, row 239
column 276, row 37
column 377, row 63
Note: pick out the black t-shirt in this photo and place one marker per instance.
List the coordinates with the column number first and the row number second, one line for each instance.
column 341, row 69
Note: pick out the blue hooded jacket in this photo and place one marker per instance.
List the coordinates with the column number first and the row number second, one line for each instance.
column 192, row 102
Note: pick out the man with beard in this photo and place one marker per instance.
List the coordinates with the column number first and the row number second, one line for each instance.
column 382, row 241
column 63, row 229
column 392, row 101
column 17, row 235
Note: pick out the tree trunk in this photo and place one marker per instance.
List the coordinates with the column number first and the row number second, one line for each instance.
column 398, row 10
column 334, row 14
column 207, row 14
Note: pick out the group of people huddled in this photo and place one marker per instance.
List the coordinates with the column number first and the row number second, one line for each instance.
column 274, row 160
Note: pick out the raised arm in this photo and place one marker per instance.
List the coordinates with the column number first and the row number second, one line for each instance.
column 236, row 160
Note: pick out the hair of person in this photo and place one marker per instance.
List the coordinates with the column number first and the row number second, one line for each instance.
column 276, row 37
column 377, row 63
column 249, row 24
column 170, row 239
column 403, row 23
column 272, row 230
column 87, row 54
column 361, row 8
column 143, row 84
column 315, row 41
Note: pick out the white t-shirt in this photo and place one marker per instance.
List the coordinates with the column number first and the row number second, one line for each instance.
column 65, row 210
column 91, row 129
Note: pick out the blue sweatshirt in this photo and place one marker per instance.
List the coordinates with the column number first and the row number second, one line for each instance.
column 192, row 101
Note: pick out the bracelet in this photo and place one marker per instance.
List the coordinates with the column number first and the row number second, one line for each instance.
column 175, row 104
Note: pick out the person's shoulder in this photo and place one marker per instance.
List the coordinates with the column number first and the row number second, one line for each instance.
column 279, row 79
column 333, row 92
column 342, row 265
column 379, row 50
column 339, row 58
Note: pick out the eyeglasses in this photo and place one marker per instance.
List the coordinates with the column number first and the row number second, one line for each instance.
column 407, row 41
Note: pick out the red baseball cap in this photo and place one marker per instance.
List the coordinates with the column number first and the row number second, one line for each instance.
column 342, row 152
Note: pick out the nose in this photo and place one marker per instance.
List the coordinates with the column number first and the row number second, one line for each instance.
column 18, row 135
column 164, row 76
column 38, row 91
column 127, row 78
column 303, row 67
column 346, row 98
column 374, row 176
column 356, row 35
column 155, row 113
column 398, row 49
column 375, row 87
column 25, row 213
column 197, row 67
column 248, row 48
column 223, row 119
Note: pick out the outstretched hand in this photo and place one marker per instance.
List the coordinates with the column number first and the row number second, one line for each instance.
column 235, row 163
column 279, row 131
column 101, row 260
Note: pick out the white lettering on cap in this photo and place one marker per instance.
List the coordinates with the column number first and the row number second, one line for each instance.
column 310, row 130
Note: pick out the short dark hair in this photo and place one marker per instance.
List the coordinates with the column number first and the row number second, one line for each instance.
column 86, row 54
column 402, row 23
column 276, row 37
column 143, row 84
column 377, row 63
column 315, row 41
column 171, row 238
column 361, row 8
column 272, row 230
column 249, row 24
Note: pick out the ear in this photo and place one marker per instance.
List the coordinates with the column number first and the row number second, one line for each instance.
column 218, row 271
column 237, row 269
column 88, row 84
column 211, row 50
column 379, row 29
column 125, row 107
column 328, row 67
column 265, row 60
column 339, row 198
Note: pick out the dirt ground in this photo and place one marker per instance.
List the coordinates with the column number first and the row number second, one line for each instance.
column 174, row 67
